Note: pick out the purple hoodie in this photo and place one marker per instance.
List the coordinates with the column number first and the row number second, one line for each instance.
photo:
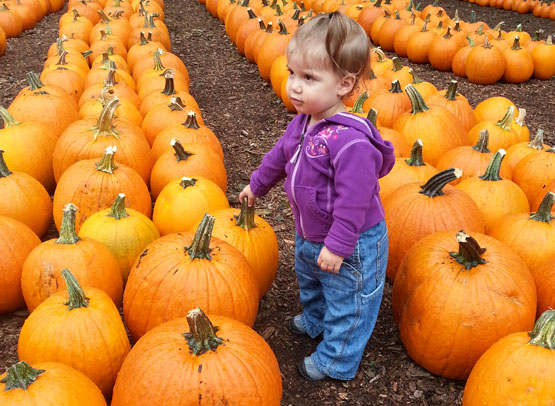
column 332, row 180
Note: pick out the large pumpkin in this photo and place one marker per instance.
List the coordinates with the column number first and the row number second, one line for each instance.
column 47, row 384
column 517, row 369
column 455, row 295
column 544, row 275
column 79, row 327
column 188, row 360
column 180, row 271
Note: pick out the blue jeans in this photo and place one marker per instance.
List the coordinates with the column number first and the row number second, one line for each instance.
column 343, row 306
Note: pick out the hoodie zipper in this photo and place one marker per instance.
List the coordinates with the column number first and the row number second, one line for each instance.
column 296, row 160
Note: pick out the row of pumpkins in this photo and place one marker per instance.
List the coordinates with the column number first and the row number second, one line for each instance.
column 543, row 9
column 503, row 200
column 95, row 137
column 17, row 16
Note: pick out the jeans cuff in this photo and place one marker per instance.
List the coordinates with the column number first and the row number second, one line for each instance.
column 327, row 371
column 310, row 330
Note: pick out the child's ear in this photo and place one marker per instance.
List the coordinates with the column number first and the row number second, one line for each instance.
column 346, row 84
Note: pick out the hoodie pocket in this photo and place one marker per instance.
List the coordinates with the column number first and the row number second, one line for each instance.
column 315, row 221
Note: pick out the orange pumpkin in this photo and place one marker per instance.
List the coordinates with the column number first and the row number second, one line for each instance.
column 397, row 72
column 127, row 110
column 400, row 144
column 458, row 66
column 485, row 64
column 492, row 108
column 501, row 133
column 79, row 327
column 519, row 64
column 455, row 102
column 544, row 275
column 273, row 46
column 522, row 149
column 159, row 61
column 544, row 59
column 534, row 172
column 454, row 297
column 142, row 49
column 390, row 104
column 442, row 51
column 121, row 90
column 180, row 271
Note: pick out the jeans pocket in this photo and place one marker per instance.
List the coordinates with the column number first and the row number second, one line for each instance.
column 382, row 250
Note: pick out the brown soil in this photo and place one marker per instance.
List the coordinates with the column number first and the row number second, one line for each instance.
column 248, row 118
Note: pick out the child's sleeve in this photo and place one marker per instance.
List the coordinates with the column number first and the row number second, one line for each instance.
column 270, row 171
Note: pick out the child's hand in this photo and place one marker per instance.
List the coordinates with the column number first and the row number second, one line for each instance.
column 246, row 192
column 328, row 261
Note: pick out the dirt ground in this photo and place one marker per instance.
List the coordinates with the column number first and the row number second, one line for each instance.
column 248, row 118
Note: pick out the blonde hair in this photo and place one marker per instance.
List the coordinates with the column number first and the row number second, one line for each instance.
column 333, row 38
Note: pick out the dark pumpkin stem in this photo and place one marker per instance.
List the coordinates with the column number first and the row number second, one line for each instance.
column 434, row 186
column 169, row 87
column 200, row 247
column 492, row 171
column 487, row 44
column 77, row 298
column 110, row 78
column 191, row 122
column 416, row 100
column 451, row 93
column 180, row 153
column 536, row 141
column 105, row 125
column 118, row 208
column 34, row 81
column 143, row 40
column 482, row 145
column 373, row 116
column 544, row 211
column 470, row 252
column 251, row 13
column 9, row 120
column 4, row 171
column 397, row 64
column 269, row 28
column 396, row 87
column 176, row 104
column 245, row 219
column 359, row 102
column 261, row 24
column 516, row 44
column 282, row 28
column 103, row 17
column 187, row 182
column 543, row 333
column 202, row 336
column 505, row 122
column 415, row 78
column 67, row 229
column 448, row 33
column 20, row 376
column 416, row 154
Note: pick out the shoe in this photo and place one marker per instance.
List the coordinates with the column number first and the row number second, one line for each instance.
column 295, row 326
column 308, row 370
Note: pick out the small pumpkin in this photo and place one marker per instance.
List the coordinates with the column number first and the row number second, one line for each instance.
column 454, row 102
column 390, row 103
column 121, row 89
column 400, row 144
column 522, row 149
column 544, row 59
column 534, row 172
column 519, row 64
column 501, row 133
column 180, row 271
column 79, row 327
column 442, row 51
column 492, row 108
column 485, row 64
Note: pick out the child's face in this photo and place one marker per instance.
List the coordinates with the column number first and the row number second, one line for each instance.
column 316, row 89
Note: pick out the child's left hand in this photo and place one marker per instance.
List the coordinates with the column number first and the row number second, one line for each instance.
column 328, row 261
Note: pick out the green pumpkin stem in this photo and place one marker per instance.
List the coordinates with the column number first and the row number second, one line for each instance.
column 505, row 122
column 4, row 171
column 110, row 78
column 518, row 28
column 397, row 64
column 373, row 116
column 143, row 40
column 416, row 154
column 118, row 208
column 544, row 211
column 9, row 120
column 359, row 102
column 34, row 81
column 105, row 125
column 180, row 153
column 516, row 44
column 487, row 44
column 202, row 336
column 187, row 182
column 77, row 298
column 471, row 41
column 470, row 252
column 151, row 18
column 482, row 145
column 543, row 333
column 106, row 163
column 176, row 104
column 158, row 65
column 434, row 186
column 451, row 93
column 20, row 376
column 473, row 17
column 200, row 247
column 67, row 229
column 396, row 87
column 536, row 141
column 498, row 26
column 191, row 121
column 415, row 78
column 245, row 219
column 416, row 100
column 480, row 30
column 492, row 171
column 103, row 17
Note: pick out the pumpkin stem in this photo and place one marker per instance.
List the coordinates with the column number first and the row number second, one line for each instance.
column 77, row 298
column 191, row 121
column 480, row 30
column 395, row 87
column 451, row 93
column 415, row 78
column 536, row 141
column 176, row 104
column 434, row 186
column 245, row 219
column 202, row 336
column 4, row 171
column 521, row 116
column 373, row 116
column 118, row 208
column 448, row 33
column 187, row 182
column 359, row 102
column 261, row 24
column 282, row 28
column 269, row 28
column 487, row 44
column 67, row 229
column 516, row 44
column 20, row 376
column 105, row 125
column 457, row 27
column 158, row 65
column 9, row 120
column 470, row 252
column 492, row 171
column 381, row 56
column 106, row 94
column 251, row 13
column 549, row 40
column 416, row 100
column 473, row 18
column 505, row 122
column 397, row 65
column 543, row 333
column 416, row 154
column 143, row 40
column 169, row 86
column 62, row 59
column 34, row 81
column 544, row 211
column 471, row 41
column 518, row 28
column 180, row 152
column 482, row 143
column 110, row 78
column 103, row 17
column 200, row 247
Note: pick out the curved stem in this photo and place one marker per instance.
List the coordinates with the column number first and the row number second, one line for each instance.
column 202, row 336
column 521, row 116
column 451, row 93
column 143, row 40
column 176, row 104
column 482, row 145
column 105, row 125
column 373, row 116
column 505, row 122
column 543, row 333
column 416, row 154
column 9, row 120
column 118, row 208
column 434, row 186
column 169, row 87
column 416, row 100
column 359, row 102
column 200, row 247
column 544, row 211
column 67, row 229
column 180, row 152
column 34, row 81
column 4, row 171
column 110, row 78
column 77, row 298
column 536, row 141
column 470, row 252
column 191, row 121
column 492, row 171
column 245, row 219
column 158, row 65
column 20, row 376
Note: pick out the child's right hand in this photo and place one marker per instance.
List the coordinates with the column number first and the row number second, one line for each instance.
column 246, row 192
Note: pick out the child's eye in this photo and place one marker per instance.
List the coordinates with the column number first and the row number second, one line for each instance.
column 290, row 72
column 307, row 77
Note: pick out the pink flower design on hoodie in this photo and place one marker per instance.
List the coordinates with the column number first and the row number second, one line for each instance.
column 318, row 143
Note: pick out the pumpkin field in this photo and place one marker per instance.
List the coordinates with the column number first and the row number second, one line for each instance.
column 142, row 95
